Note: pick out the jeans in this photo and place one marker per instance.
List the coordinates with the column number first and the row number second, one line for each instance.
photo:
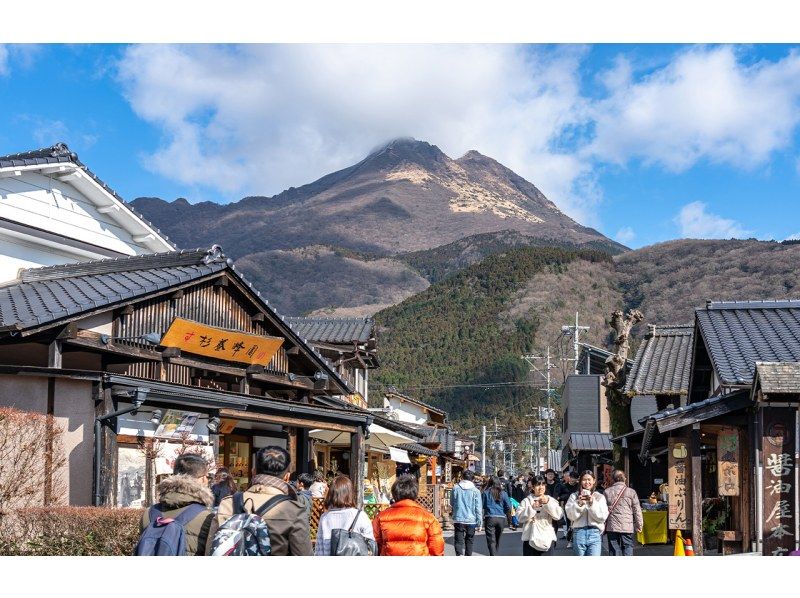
column 620, row 544
column 586, row 541
column 465, row 534
column 494, row 527
column 528, row 550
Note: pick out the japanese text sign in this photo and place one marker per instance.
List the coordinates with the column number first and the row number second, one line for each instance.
column 728, row 462
column 219, row 343
column 778, row 455
column 680, row 487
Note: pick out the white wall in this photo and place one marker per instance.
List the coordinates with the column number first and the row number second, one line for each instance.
column 406, row 411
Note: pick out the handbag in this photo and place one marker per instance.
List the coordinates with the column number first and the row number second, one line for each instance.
column 542, row 536
column 346, row 542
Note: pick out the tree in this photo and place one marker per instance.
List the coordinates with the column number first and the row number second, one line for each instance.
column 31, row 459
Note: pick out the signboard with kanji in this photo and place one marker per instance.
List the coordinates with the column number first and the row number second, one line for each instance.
column 778, row 466
column 680, row 487
column 219, row 343
column 728, row 462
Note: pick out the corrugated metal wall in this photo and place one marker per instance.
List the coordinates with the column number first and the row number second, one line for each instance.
column 582, row 404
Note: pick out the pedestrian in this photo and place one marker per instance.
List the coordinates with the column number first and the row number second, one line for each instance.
column 341, row 513
column 554, row 490
column 303, row 485
column 496, row 513
column 286, row 521
column 519, row 489
column 569, row 484
column 536, row 514
column 467, row 513
column 186, row 489
column 224, row 485
column 505, row 483
column 318, row 488
column 588, row 511
column 624, row 515
column 407, row 528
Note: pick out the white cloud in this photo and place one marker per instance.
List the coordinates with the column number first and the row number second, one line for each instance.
column 706, row 104
column 794, row 237
column 22, row 55
column 625, row 235
column 697, row 223
column 258, row 119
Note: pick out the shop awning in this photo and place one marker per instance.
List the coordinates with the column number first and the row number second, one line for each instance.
column 379, row 437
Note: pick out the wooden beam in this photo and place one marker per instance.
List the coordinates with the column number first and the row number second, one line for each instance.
column 697, row 490
column 171, row 353
column 91, row 340
column 222, row 281
column 54, row 355
column 108, row 209
column 259, row 317
column 357, row 466
column 284, row 420
column 298, row 383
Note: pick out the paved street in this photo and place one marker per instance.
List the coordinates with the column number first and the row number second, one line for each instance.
column 511, row 545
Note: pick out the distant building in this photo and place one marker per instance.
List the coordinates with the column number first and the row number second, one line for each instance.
column 54, row 210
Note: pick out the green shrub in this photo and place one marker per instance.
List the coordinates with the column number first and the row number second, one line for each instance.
column 70, row 531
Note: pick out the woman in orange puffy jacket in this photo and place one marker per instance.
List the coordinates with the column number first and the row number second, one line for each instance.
column 407, row 528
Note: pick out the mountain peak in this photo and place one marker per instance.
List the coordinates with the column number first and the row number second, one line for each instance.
column 406, row 149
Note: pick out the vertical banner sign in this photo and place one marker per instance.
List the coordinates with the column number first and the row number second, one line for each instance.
column 779, row 479
column 680, row 488
column 728, row 462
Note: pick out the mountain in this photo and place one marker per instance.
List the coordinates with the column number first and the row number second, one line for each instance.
column 469, row 328
column 405, row 198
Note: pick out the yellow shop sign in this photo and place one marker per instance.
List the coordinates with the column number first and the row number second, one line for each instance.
column 219, row 343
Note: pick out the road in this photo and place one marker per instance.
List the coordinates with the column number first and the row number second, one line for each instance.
column 511, row 545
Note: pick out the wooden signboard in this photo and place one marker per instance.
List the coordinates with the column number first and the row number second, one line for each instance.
column 777, row 462
column 219, row 343
column 728, row 462
column 680, row 487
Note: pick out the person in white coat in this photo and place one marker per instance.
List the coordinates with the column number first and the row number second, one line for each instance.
column 536, row 514
column 588, row 511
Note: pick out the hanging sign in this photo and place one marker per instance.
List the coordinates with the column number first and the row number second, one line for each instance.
column 728, row 462
column 778, row 452
column 176, row 424
column 680, row 498
column 219, row 343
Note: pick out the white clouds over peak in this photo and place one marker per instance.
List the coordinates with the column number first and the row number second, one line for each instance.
column 260, row 118
column 695, row 222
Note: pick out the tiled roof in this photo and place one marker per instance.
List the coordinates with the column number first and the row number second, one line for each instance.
column 392, row 390
column 590, row 441
column 663, row 362
column 45, row 296
column 334, row 330
column 702, row 410
column 413, row 447
column 739, row 333
column 776, row 378
column 61, row 154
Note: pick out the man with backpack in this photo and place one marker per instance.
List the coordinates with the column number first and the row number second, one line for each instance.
column 270, row 497
column 181, row 523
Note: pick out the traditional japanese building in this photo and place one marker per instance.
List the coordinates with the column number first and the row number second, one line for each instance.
column 138, row 356
column 731, row 448
column 54, row 210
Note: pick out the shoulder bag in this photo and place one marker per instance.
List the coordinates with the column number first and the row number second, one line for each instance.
column 346, row 542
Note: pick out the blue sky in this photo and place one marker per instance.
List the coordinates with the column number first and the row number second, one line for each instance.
column 644, row 142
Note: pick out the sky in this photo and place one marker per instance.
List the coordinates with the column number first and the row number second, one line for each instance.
column 646, row 143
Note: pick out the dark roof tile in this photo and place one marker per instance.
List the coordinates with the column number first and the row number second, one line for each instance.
column 780, row 377
column 663, row 362
column 334, row 330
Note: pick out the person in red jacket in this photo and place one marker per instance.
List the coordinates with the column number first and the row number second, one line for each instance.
column 407, row 528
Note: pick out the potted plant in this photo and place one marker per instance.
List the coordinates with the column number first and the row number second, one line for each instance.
column 715, row 519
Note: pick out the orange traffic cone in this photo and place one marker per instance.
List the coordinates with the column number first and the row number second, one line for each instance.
column 688, row 548
column 679, row 550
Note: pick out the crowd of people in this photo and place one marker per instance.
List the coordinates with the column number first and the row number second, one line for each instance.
column 276, row 510
column 541, row 505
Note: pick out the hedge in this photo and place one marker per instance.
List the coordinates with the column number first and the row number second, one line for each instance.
column 69, row 531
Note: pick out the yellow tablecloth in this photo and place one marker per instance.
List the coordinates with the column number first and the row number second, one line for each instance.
column 655, row 528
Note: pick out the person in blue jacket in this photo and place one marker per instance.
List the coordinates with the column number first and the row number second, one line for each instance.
column 496, row 512
column 467, row 512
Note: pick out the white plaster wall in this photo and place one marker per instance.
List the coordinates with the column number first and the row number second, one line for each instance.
column 407, row 412
column 74, row 412
column 16, row 254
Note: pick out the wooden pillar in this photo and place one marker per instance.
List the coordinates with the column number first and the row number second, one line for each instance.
column 302, row 451
column 291, row 447
column 697, row 490
column 433, row 471
column 357, row 464
column 106, row 484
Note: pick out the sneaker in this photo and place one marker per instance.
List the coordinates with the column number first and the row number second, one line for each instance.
column 569, row 544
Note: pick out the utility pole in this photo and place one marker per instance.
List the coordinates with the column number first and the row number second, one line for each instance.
column 547, row 416
column 483, row 450
column 575, row 332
